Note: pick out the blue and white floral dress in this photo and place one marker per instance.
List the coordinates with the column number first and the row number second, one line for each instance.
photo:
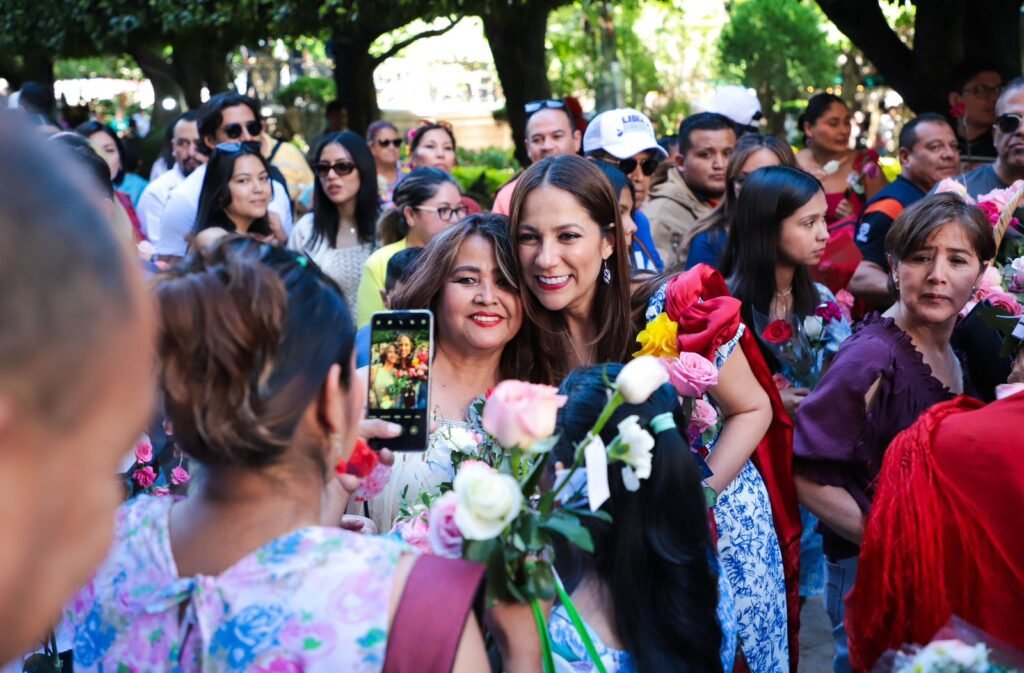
column 749, row 549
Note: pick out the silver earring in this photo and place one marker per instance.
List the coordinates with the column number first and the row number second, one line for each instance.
column 896, row 282
column 606, row 273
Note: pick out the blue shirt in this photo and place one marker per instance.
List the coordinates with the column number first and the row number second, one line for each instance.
column 707, row 247
column 643, row 235
column 879, row 215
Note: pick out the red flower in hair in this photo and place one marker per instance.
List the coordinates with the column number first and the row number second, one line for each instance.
column 958, row 111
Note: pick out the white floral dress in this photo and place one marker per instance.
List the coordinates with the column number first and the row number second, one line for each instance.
column 749, row 549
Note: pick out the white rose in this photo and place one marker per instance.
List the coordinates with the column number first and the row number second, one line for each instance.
column 640, row 378
column 813, row 326
column 635, row 445
column 462, row 440
column 1017, row 264
column 488, row 500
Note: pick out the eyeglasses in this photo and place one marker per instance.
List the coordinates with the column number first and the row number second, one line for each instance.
column 538, row 105
column 234, row 131
column 1008, row 123
column 446, row 214
column 388, row 142
column 627, row 166
column 233, row 148
column 340, row 168
column 984, row 90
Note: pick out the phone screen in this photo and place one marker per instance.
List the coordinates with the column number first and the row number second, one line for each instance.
column 401, row 346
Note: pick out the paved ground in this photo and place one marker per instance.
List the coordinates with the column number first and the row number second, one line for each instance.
column 816, row 647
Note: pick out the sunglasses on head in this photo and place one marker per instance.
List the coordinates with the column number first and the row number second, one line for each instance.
column 234, row 131
column 340, row 168
column 388, row 142
column 1008, row 123
column 627, row 166
column 548, row 104
column 233, row 148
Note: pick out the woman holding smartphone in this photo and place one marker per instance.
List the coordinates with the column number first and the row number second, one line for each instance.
column 464, row 277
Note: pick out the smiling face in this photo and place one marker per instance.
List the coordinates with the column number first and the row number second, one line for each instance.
column 936, row 281
column 560, row 250
column 804, row 234
column 435, row 150
column 831, row 131
column 338, row 188
column 250, row 190
column 479, row 310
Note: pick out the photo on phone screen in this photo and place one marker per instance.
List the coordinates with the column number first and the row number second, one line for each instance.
column 401, row 344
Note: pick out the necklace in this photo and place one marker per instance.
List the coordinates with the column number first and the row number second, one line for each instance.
column 786, row 293
column 586, row 362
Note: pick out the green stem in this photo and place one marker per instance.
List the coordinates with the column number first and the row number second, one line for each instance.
column 613, row 403
column 545, row 639
column 581, row 628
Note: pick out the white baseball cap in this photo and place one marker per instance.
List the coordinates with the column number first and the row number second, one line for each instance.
column 622, row 133
column 736, row 102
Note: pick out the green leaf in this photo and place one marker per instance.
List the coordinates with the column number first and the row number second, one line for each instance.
column 480, row 551
column 599, row 514
column 567, row 524
column 540, row 581
column 533, row 478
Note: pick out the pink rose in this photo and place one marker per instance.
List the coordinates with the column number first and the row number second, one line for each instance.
column 161, row 490
column 991, row 279
column 1002, row 300
column 691, row 374
column 179, row 475
column 415, row 533
column 444, row 535
column 781, row 382
column 144, row 451
column 144, row 477
column 704, row 416
column 991, row 211
column 954, row 186
column 519, row 413
column 1000, row 197
column 845, row 301
column 829, row 311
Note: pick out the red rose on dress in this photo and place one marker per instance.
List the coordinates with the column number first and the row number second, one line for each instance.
column 778, row 332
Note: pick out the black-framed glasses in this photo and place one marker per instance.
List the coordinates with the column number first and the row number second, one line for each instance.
column 234, row 131
column 341, row 168
column 984, row 90
column 388, row 142
column 1008, row 123
column 232, row 148
column 548, row 104
column 627, row 166
column 446, row 214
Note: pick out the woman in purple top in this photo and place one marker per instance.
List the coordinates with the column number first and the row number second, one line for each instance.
column 895, row 366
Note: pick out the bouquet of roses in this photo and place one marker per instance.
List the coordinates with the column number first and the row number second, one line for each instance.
column 958, row 647
column 999, row 205
column 799, row 345
column 496, row 514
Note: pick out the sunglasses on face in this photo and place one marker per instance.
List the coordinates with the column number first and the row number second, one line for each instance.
column 234, row 131
column 627, row 166
column 388, row 142
column 233, row 148
column 549, row 104
column 340, row 168
column 446, row 214
column 1008, row 123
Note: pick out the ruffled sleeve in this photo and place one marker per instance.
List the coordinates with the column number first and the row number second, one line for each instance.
column 832, row 421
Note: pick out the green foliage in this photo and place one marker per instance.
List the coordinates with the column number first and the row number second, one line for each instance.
column 308, row 89
column 490, row 157
column 118, row 67
column 778, row 47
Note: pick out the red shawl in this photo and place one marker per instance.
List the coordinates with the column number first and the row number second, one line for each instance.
column 944, row 535
column 703, row 327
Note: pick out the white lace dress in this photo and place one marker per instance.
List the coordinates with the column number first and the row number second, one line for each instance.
column 343, row 265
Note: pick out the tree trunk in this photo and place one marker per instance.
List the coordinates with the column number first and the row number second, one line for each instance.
column 160, row 73
column 516, row 35
column 215, row 68
column 353, row 78
column 945, row 33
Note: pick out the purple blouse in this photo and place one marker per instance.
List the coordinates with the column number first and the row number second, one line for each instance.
column 837, row 440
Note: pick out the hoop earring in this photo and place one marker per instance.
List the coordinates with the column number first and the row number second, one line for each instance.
column 606, row 273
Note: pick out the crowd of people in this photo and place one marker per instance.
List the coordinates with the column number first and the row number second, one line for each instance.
column 860, row 443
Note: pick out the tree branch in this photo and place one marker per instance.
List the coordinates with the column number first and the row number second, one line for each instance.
column 402, row 44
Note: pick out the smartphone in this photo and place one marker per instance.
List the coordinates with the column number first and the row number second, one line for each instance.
column 401, row 349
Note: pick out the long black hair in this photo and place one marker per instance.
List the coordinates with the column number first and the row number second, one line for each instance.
column 216, row 193
column 325, row 213
column 655, row 555
column 414, row 190
column 770, row 195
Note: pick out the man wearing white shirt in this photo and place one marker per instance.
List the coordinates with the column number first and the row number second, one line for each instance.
column 226, row 117
column 187, row 157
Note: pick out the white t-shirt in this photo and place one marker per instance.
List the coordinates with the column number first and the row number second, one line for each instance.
column 183, row 205
column 154, row 200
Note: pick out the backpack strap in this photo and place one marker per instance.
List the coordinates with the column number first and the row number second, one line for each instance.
column 432, row 613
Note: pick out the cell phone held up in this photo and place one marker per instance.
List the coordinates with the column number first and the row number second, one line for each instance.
column 401, row 350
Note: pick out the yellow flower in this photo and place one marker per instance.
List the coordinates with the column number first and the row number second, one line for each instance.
column 659, row 338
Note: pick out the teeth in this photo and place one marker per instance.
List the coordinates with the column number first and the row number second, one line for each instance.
column 486, row 318
column 552, row 280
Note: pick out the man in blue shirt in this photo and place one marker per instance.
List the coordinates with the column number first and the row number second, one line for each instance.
column 929, row 152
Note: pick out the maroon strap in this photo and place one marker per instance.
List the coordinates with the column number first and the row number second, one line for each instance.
column 431, row 615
